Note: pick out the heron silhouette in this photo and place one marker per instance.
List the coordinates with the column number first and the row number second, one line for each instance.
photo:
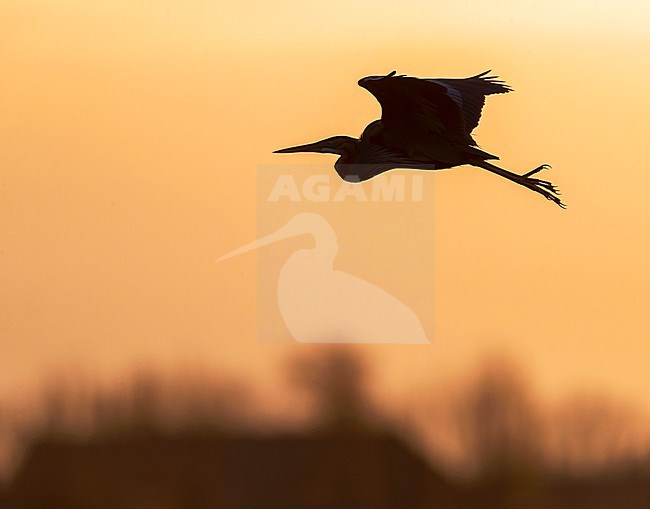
column 426, row 124
column 321, row 305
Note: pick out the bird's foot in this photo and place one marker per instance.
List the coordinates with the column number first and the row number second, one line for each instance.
column 537, row 170
column 543, row 187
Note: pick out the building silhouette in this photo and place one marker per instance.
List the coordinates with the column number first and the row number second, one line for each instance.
column 329, row 470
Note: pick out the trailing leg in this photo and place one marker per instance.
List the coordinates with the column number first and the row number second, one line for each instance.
column 543, row 187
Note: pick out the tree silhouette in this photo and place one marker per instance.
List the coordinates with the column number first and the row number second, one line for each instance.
column 591, row 434
column 499, row 422
column 335, row 381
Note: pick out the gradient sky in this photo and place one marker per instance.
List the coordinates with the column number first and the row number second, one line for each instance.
column 132, row 132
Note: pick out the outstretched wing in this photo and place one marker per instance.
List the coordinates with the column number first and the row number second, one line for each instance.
column 469, row 94
column 415, row 106
column 445, row 107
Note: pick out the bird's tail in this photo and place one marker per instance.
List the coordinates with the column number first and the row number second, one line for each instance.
column 476, row 153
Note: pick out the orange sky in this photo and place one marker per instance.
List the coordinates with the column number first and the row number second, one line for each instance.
column 132, row 133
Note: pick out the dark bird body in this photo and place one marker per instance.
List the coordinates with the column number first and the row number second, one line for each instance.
column 425, row 124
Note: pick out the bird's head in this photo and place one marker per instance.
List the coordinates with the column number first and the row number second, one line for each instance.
column 341, row 145
column 348, row 166
column 345, row 146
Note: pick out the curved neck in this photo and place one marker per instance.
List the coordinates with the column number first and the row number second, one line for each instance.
column 349, row 156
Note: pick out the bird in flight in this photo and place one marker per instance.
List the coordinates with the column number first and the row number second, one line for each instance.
column 426, row 124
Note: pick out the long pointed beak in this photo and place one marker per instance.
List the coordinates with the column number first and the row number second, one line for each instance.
column 309, row 147
column 281, row 234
